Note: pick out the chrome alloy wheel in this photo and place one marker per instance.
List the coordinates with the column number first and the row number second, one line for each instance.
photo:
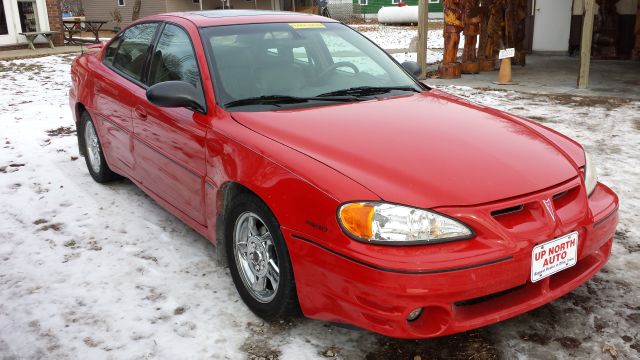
column 256, row 257
column 92, row 146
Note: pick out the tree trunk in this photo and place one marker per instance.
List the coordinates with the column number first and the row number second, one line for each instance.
column 135, row 15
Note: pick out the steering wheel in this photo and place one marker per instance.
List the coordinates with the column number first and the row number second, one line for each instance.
column 337, row 65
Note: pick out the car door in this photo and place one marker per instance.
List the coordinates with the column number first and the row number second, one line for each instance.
column 116, row 86
column 169, row 146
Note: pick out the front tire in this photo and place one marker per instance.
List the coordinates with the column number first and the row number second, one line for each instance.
column 259, row 260
column 93, row 154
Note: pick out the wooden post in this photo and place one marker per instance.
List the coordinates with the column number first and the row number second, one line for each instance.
column 585, row 45
column 423, row 30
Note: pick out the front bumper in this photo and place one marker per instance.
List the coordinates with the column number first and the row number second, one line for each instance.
column 348, row 287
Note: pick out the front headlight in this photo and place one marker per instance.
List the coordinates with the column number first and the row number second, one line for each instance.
column 391, row 224
column 590, row 174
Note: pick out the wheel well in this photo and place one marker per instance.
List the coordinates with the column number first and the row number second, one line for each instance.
column 227, row 192
column 80, row 109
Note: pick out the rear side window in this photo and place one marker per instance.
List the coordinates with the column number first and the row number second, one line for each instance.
column 174, row 58
column 131, row 53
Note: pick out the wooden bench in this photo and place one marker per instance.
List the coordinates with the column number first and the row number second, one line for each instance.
column 31, row 36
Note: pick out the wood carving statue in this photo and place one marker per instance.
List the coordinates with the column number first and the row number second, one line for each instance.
column 605, row 30
column 471, row 21
column 492, row 33
column 520, row 19
column 453, row 11
column 514, row 28
column 483, row 44
column 636, row 50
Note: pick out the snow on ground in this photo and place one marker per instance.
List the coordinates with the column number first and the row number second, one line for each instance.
column 91, row 271
column 399, row 37
column 602, row 317
column 433, row 56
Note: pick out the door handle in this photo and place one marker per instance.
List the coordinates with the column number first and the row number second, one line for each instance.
column 140, row 112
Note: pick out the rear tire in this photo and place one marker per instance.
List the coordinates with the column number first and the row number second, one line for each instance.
column 259, row 260
column 93, row 154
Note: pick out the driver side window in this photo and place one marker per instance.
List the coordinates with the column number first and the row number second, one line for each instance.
column 174, row 58
column 129, row 53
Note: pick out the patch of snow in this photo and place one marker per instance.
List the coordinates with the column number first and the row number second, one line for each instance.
column 604, row 311
column 433, row 56
column 399, row 37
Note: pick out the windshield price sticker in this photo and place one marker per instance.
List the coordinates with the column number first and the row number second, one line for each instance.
column 307, row 25
column 554, row 256
column 507, row 53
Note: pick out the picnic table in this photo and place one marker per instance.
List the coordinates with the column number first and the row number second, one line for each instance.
column 75, row 26
column 32, row 35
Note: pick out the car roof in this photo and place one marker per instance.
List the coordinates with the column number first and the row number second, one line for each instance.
column 229, row 17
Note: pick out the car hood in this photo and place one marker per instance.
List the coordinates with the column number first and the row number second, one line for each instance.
column 425, row 150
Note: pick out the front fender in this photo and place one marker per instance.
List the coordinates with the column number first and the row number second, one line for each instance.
column 302, row 193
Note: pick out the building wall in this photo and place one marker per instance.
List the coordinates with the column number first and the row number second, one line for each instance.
column 626, row 22
column 624, row 7
column 54, row 14
column 373, row 6
column 243, row 4
column 211, row 4
column 101, row 10
column 182, row 5
column 627, row 7
column 47, row 16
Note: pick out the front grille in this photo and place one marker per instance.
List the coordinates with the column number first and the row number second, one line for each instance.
column 482, row 299
column 529, row 213
column 509, row 210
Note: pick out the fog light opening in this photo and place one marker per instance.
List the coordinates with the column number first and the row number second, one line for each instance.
column 415, row 314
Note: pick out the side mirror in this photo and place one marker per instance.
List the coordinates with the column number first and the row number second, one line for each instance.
column 176, row 94
column 412, row 67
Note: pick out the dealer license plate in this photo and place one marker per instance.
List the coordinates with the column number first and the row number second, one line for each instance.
column 553, row 256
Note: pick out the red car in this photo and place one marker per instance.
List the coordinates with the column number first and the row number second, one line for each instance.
column 334, row 183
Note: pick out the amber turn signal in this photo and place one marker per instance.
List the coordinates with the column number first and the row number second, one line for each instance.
column 357, row 219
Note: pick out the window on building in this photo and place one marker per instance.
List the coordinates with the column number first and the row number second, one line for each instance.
column 120, row 2
column 395, row 2
column 131, row 54
column 4, row 30
column 28, row 15
column 363, row 2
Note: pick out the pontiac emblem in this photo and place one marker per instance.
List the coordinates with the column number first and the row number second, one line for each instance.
column 549, row 206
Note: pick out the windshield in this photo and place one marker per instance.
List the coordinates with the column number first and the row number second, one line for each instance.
column 298, row 64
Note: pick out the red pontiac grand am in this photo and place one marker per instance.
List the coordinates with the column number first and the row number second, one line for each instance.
column 334, row 183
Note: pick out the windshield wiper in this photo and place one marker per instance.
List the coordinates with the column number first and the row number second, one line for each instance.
column 369, row 90
column 276, row 100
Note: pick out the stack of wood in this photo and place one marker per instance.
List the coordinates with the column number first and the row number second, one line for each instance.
column 499, row 24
